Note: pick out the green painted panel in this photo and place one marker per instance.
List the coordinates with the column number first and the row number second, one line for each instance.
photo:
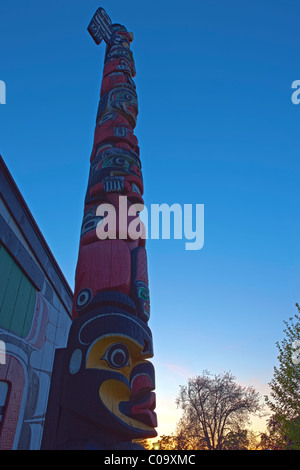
column 17, row 297
column 9, row 301
column 6, row 265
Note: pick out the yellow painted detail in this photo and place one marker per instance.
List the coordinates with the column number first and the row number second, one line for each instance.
column 112, row 392
column 95, row 355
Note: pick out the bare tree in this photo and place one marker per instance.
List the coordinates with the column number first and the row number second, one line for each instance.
column 213, row 406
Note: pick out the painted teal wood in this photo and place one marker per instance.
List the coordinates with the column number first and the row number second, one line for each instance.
column 17, row 297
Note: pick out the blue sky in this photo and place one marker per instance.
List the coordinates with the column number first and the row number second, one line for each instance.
column 216, row 126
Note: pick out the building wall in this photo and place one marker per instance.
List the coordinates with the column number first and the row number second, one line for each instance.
column 35, row 316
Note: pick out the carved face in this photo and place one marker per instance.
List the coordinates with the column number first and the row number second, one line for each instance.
column 109, row 378
column 123, row 100
column 130, row 399
column 113, row 164
column 119, row 52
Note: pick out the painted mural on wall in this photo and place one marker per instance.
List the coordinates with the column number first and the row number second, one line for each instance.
column 30, row 330
column 104, row 378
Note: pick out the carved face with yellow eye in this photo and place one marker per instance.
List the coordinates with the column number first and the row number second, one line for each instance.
column 109, row 379
column 131, row 399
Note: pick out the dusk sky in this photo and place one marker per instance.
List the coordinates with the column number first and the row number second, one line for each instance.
column 216, row 126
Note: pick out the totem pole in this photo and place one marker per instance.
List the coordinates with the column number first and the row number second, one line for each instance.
column 101, row 394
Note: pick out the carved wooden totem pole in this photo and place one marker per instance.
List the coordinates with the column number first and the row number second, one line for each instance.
column 101, row 395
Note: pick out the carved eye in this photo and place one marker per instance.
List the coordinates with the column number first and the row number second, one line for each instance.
column 83, row 298
column 117, row 356
column 119, row 161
